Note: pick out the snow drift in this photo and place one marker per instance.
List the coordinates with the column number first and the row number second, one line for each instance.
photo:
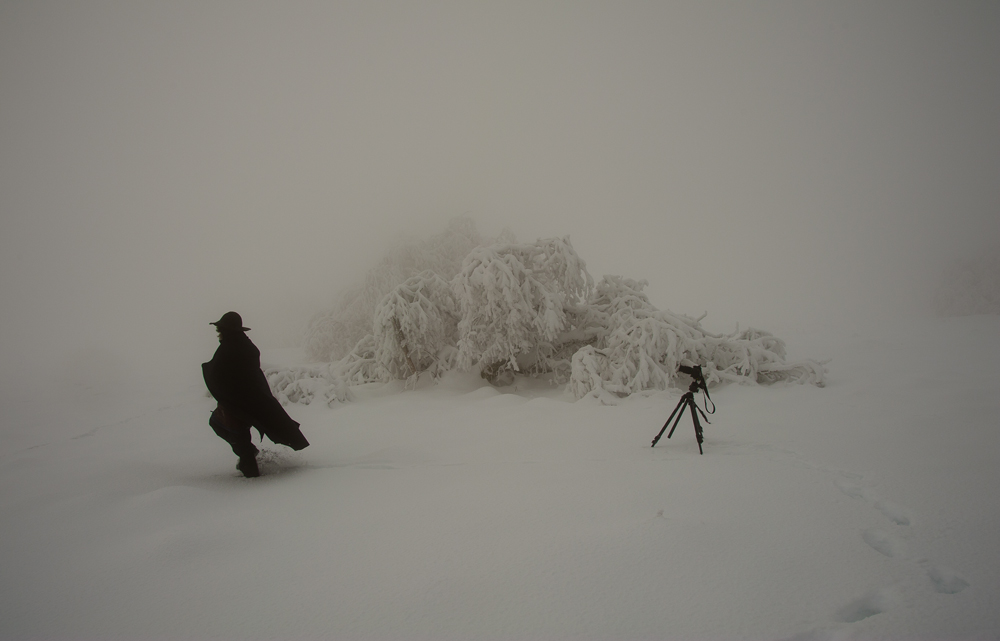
column 459, row 510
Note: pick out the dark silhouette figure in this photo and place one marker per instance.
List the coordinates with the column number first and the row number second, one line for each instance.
column 236, row 381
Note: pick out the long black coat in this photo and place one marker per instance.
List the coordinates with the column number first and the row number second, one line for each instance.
column 236, row 381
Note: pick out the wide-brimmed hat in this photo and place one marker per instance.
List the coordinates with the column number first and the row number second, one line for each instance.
column 230, row 321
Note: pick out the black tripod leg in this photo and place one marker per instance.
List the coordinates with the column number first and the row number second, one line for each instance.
column 682, row 405
column 679, row 405
column 697, row 426
column 677, row 421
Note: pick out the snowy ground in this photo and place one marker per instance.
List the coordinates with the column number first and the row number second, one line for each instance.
column 863, row 510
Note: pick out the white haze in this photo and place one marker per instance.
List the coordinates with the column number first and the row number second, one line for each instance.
column 776, row 164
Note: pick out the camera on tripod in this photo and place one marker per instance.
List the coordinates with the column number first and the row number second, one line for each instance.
column 687, row 401
column 695, row 373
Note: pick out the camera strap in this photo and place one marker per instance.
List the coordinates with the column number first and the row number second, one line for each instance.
column 707, row 400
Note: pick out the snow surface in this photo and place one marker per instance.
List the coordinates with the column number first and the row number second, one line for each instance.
column 455, row 510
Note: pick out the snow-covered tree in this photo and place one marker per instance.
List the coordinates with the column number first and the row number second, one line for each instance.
column 510, row 308
column 416, row 327
column 518, row 305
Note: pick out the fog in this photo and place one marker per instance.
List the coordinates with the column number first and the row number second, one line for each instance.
column 773, row 163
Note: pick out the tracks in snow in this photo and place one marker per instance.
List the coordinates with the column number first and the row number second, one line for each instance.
column 888, row 540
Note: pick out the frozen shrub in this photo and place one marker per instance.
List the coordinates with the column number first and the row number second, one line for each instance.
column 304, row 384
column 640, row 348
column 756, row 356
column 360, row 365
column 414, row 324
column 522, row 308
column 518, row 304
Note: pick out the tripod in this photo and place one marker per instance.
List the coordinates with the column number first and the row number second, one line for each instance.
column 687, row 400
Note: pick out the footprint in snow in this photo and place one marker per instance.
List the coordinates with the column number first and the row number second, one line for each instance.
column 892, row 511
column 945, row 580
column 875, row 602
column 883, row 542
column 895, row 513
column 852, row 490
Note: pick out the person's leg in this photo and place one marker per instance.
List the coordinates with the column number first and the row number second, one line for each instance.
column 237, row 433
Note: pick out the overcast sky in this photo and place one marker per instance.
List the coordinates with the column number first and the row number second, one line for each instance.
column 164, row 162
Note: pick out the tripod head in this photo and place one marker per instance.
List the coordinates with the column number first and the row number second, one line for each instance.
column 698, row 382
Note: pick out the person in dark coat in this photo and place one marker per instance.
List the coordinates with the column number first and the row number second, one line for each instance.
column 236, row 381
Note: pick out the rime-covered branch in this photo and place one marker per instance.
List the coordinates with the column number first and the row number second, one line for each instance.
column 413, row 324
column 643, row 348
column 305, row 383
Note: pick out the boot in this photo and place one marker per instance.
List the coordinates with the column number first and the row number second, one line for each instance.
column 248, row 465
